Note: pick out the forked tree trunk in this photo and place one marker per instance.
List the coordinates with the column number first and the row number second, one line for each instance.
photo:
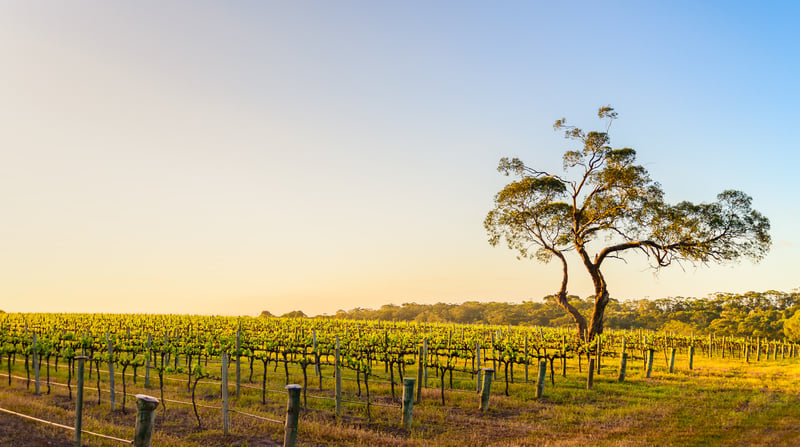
column 601, row 299
column 600, row 293
column 561, row 298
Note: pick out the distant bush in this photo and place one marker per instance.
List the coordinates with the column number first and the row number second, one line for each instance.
column 294, row 314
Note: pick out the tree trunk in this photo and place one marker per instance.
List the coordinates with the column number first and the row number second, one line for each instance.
column 600, row 293
column 561, row 297
column 600, row 303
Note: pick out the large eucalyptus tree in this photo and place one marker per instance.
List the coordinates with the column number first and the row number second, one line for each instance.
column 605, row 206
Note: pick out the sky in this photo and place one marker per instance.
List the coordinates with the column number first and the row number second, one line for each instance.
column 232, row 157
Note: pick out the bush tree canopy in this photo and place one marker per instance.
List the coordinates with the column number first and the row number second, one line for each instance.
column 605, row 206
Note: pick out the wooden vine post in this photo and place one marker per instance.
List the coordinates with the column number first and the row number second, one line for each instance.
column 623, row 361
column 147, row 361
column 691, row 357
column 590, row 379
column 486, row 389
column 37, row 388
column 225, row 416
column 238, row 361
column 338, row 382
column 111, row 372
column 526, row 359
column 79, row 404
column 541, row 378
column 145, row 420
column 478, row 366
column 419, row 377
column 292, row 415
column 672, row 361
column 408, row 401
column 650, row 356
column 425, row 361
column 758, row 349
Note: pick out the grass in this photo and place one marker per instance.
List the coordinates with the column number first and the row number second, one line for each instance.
column 722, row 402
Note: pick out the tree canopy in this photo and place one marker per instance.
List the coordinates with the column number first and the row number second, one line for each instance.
column 604, row 206
column 771, row 314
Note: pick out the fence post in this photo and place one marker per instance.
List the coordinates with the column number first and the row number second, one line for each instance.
column 541, row 378
column 486, row 389
column 478, row 366
column 590, row 379
column 147, row 361
column 419, row 377
column 650, row 356
column 145, row 419
column 37, row 387
column 599, row 350
column 338, row 382
column 317, row 371
column 238, row 361
column 225, row 415
column 672, row 361
column 526, row 359
column 408, row 401
column 425, row 361
column 292, row 415
column 79, row 403
column 758, row 349
column 691, row 357
column 623, row 362
column 112, row 393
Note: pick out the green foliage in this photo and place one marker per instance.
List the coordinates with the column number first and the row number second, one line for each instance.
column 752, row 314
column 791, row 328
column 606, row 205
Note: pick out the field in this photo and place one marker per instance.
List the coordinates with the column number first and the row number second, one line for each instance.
column 720, row 401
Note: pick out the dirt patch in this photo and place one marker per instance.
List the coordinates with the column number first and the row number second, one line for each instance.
column 21, row 432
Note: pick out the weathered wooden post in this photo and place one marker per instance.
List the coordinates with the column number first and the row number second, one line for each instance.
column 747, row 352
column 425, row 361
column 590, row 379
column 486, row 388
column 710, row 345
column 478, row 366
column 238, row 361
column 541, row 378
column 691, row 357
column 292, row 415
column 599, row 350
column 37, row 389
column 79, row 404
column 225, row 416
column 338, row 381
column 112, row 393
column 147, row 361
column 419, row 377
column 650, row 355
column 145, row 419
column 408, row 401
column 623, row 362
column 672, row 361
column 526, row 359
column 317, row 371
column 494, row 352
column 758, row 349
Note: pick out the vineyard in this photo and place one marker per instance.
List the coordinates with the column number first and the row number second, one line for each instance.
column 221, row 380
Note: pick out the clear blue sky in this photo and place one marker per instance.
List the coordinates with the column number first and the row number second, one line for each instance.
column 231, row 157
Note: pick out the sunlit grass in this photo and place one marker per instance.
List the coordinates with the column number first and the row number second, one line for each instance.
column 719, row 402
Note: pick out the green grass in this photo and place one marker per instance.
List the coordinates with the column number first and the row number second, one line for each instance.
column 722, row 402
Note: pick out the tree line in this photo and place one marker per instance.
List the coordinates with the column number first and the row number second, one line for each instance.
column 752, row 314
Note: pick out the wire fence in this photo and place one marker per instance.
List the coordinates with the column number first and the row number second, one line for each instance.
column 66, row 427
